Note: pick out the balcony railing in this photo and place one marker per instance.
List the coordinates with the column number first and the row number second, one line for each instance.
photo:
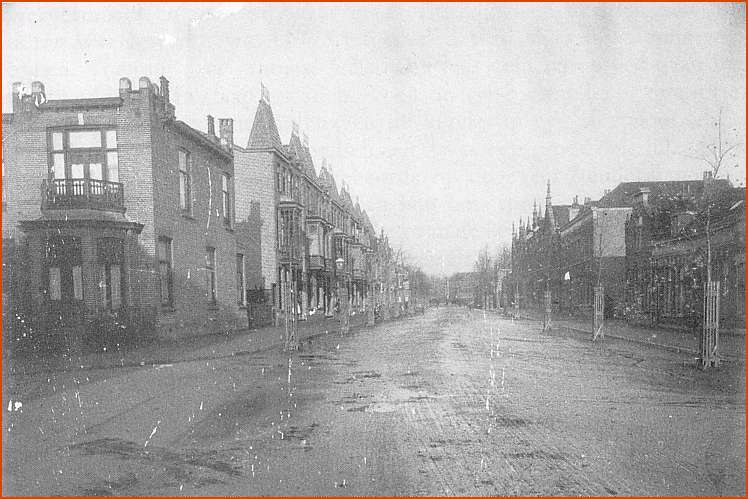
column 288, row 254
column 316, row 262
column 72, row 193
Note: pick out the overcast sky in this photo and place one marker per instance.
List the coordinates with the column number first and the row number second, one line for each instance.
column 446, row 120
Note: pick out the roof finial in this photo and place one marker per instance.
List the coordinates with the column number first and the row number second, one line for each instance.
column 264, row 93
column 294, row 128
column 305, row 140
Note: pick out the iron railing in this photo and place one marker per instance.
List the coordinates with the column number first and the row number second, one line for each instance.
column 72, row 193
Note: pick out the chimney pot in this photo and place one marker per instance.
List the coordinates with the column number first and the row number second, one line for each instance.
column 642, row 196
column 211, row 126
column 226, row 130
column 125, row 85
column 164, row 88
column 37, row 87
column 17, row 87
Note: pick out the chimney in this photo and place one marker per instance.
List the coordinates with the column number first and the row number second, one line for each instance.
column 211, row 126
column 641, row 198
column 37, row 92
column 125, row 85
column 587, row 200
column 576, row 201
column 164, row 88
column 226, row 131
column 707, row 175
column 144, row 83
column 17, row 97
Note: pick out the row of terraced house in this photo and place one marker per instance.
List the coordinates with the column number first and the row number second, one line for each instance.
column 645, row 243
column 115, row 210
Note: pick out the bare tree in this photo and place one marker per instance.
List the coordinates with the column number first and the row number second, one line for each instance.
column 715, row 157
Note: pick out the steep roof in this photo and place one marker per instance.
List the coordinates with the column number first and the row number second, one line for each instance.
column 294, row 149
column 309, row 163
column 623, row 194
column 345, row 197
column 264, row 134
column 367, row 222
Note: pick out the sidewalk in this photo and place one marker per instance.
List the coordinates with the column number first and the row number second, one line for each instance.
column 167, row 351
column 731, row 346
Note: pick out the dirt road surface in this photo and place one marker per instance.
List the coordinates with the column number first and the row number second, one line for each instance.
column 454, row 402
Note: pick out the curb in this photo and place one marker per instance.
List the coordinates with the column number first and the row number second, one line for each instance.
column 672, row 348
column 162, row 361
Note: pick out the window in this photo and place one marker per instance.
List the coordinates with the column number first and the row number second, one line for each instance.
column 185, row 198
column 165, row 272
column 210, row 275
column 64, row 276
column 241, row 284
column 78, row 155
column 226, row 200
column 110, row 255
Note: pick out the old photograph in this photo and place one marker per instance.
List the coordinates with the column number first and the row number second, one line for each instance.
column 373, row 249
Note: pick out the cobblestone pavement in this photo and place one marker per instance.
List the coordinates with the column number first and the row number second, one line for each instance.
column 453, row 402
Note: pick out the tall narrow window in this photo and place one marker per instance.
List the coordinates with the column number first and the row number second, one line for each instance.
column 241, row 285
column 226, row 199
column 165, row 272
column 185, row 199
column 65, row 278
column 210, row 275
column 110, row 253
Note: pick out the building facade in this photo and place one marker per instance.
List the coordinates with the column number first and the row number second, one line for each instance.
column 115, row 210
column 643, row 242
column 666, row 252
column 319, row 248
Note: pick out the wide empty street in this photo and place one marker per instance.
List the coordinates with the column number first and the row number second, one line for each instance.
column 452, row 402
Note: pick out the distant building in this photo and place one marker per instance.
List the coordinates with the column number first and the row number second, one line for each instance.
column 462, row 287
column 609, row 242
column 307, row 224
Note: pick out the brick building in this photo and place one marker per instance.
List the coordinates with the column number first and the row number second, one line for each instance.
column 113, row 208
column 568, row 251
column 666, row 251
column 642, row 242
column 307, row 224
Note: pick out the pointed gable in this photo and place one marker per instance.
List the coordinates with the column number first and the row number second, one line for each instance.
column 295, row 149
column 264, row 134
column 309, row 163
